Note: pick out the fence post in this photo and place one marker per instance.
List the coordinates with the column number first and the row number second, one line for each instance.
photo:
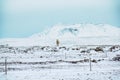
column 65, row 55
column 6, row 65
column 90, row 63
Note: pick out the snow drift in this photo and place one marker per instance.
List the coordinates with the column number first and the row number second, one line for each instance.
column 77, row 34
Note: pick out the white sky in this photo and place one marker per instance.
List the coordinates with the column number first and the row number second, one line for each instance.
column 23, row 5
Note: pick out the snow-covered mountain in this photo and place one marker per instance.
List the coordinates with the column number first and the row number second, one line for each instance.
column 79, row 30
column 77, row 34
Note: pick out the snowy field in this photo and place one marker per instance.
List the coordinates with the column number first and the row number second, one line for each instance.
column 60, row 63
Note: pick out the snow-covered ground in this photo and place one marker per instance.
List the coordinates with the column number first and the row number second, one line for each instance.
column 60, row 63
column 71, row 72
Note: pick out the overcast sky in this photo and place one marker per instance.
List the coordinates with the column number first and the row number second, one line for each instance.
column 22, row 18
